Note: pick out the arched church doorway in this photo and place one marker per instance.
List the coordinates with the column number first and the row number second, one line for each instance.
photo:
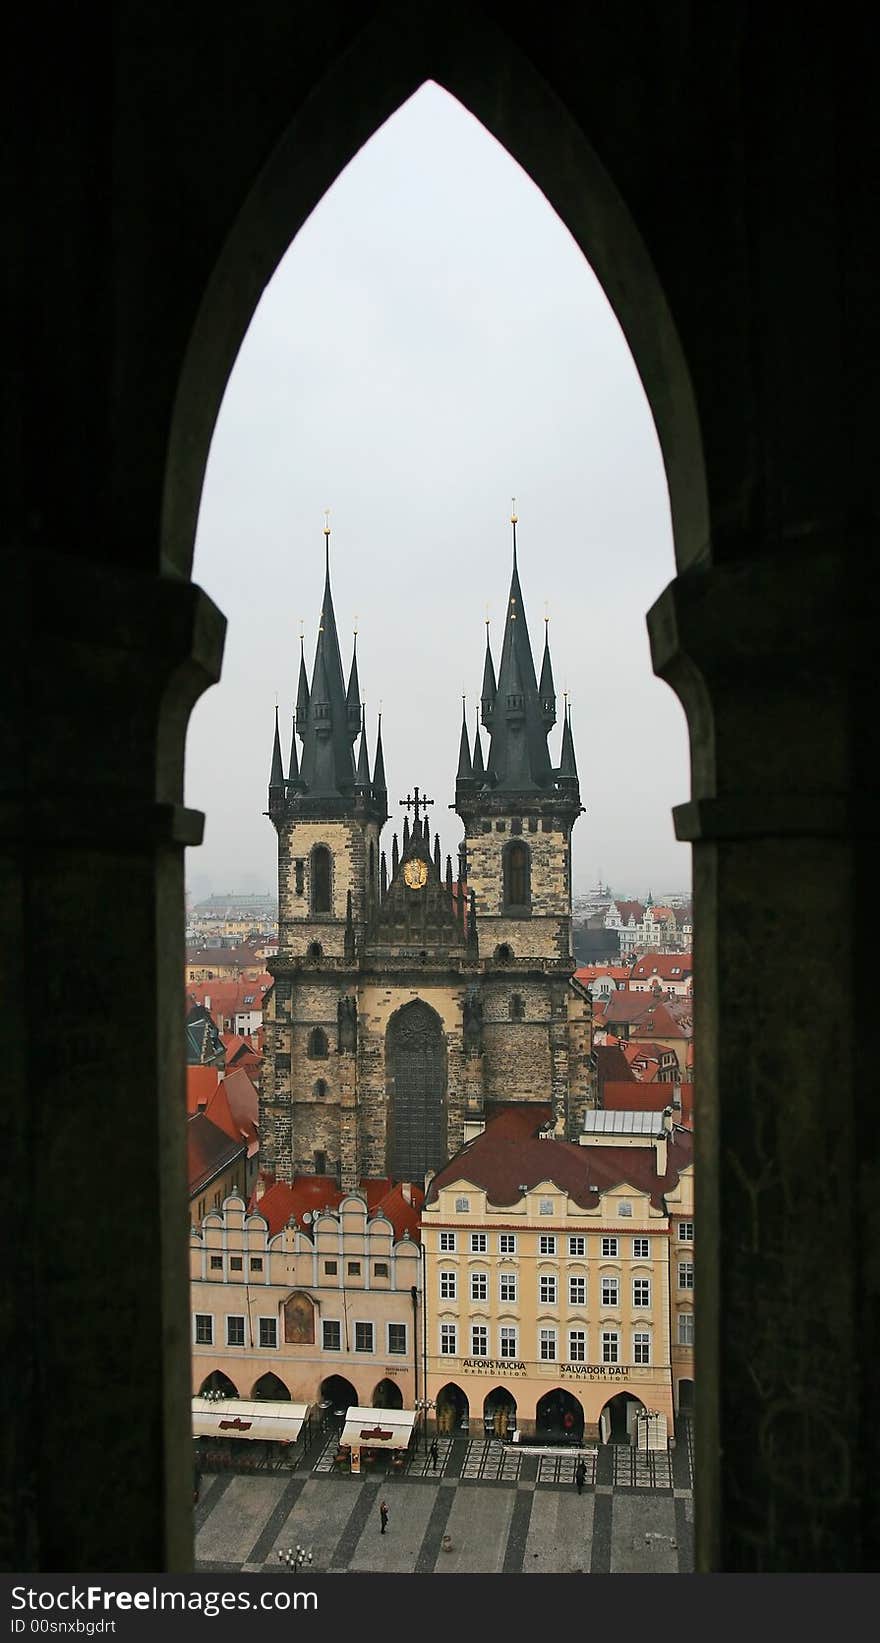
column 217, row 1385
column 559, row 1416
column 270, row 1389
column 617, row 1422
column 387, row 1395
column 453, row 1410
column 415, row 1067
column 499, row 1413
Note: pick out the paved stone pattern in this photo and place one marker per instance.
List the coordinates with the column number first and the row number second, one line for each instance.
column 472, row 1516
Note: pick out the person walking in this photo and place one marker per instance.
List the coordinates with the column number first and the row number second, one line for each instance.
column 434, row 1452
column 383, row 1514
column 580, row 1473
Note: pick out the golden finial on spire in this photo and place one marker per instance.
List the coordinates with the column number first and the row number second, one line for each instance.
column 513, row 513
column 326, row 521
column 355, row 626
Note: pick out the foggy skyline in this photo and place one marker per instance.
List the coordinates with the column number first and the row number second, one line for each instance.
column 432, row 344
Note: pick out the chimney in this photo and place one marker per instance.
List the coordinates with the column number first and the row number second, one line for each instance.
column 661, row 1141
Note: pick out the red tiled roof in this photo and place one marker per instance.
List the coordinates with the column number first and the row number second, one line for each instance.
column 509, row 1154
column 201, row 1082
column 620, row 1096
column 644, row 1011
column 611, row 1063
column 663, row 966
column 309, row 1193
column 593, row 972
column 244, row 1102
column 687, row 1105
column 630, row 909
column 208, row 1151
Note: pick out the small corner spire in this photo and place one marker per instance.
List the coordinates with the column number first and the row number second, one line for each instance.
column 276, row 776
column 465, row 769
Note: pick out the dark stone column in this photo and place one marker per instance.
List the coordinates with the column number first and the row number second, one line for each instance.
column 106, row 665
column 769, row 659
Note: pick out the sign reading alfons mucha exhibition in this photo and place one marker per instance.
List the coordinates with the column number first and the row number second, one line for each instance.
column 492, row 1366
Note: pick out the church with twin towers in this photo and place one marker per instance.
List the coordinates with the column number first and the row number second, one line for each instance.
column 411, row 998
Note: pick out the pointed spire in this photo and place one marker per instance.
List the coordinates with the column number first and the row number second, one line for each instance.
column 478, row 765
column 327, row 767
column 490, row 688
column 437, row 854
column 380, row 787
column 293, row 765
column 547, row 689
column 302, row 694
column 383, row 876
column 519, row 760
column 395, row 856
column 362, row 778
column 405, row 834
column 276, row 776
column 353, row 695
column 465, row 770
column 568, row 775
column 449, row 874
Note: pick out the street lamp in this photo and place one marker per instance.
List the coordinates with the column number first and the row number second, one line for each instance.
column 296, row 1557
column 422, row 1407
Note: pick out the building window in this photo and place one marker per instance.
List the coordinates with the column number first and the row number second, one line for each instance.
column 321, row 879
column 479, row 1286
column 447, row 1340
column 516, row 874
column 685, row 1232
column 577, row 1246
column 447, row 1285
column 331, row 1335
column 204, row 1329
column 256, row 1263
column 268, row 1331
column 320, row 1157
column 610, row 1346
column 577, row 1291
column 547, row 1345
column 610, row 1246
column 507, row 1243
column 397, row 1338
column 363, row 1337
column 354, row 1269
column 508, row 1286
column 685, row 1329
column 547, row 1288
column 641, row 1249
column 216, row 1263
column 380, row 1269
column 641, row 1292
column 508, row 1341
column 685, row 1274
column 478, row 1243
column 319, row 1090
column 479, row 1341
column 624, row 1207
column 318, row 1049
column 517, row 1008
column 462, row 1206
column 577, row 1346
column 234, row 1331
column 547, row 1244
column 235, row 1263
column 545, row 1206
column 330, row 1269
column 610, row 1292
column 641, row 1346
column 447, row 1243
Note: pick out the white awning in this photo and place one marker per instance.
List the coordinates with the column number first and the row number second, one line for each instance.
column 377, row 1428
column 244, row 1418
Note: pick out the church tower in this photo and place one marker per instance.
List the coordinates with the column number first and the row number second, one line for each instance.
column 328, row 812
column 518, row 810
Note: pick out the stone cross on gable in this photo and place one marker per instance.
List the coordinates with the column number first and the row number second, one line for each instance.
column 414, row 800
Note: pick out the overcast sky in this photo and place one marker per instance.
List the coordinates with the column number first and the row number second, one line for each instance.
column 432, row 344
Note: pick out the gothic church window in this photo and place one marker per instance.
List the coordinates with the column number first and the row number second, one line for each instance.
column 517, row 887
column 318, row 1045
column 321, row 868
column 415, row 1059
column 517, row 1008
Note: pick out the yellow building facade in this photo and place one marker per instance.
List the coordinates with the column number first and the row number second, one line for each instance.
column 559, row 1287
column 332, row 1313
